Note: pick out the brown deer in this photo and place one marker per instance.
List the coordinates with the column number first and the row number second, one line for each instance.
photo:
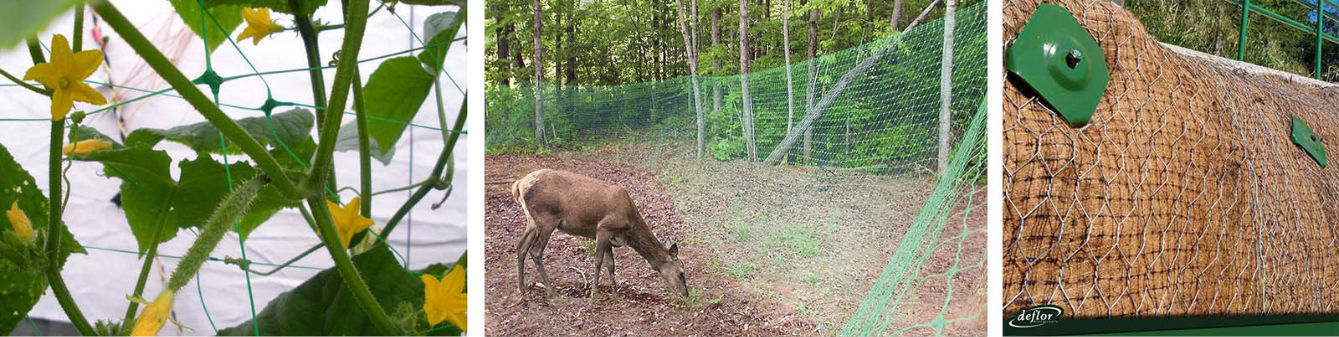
column 583, row 206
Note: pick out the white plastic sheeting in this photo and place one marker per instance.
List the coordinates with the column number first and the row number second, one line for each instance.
column 101, row 279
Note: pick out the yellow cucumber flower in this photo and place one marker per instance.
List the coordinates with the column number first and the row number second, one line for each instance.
column 154, row 315
column 445, row 300
column 64, row 74
column 258, row 25
column 19, row 220
column 85, row 147
column 347, row 220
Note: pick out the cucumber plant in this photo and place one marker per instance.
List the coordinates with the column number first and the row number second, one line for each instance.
column 289, row 166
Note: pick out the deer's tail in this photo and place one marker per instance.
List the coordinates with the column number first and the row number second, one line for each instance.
column 518, row 193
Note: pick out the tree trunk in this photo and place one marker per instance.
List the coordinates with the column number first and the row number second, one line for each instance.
column 897, row 14
column 571, row 42
column 559, row 48
column 503, row 50
column 690, row 47
column 813, row 79
column 869, row 14
column 837, row 88
column 946, row 87
column 785, row 49
column 716, row 64
column 749, row 143
column 539, row 76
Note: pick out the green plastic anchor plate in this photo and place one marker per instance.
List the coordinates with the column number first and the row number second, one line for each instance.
column 1061, row 62
column 1307, row 139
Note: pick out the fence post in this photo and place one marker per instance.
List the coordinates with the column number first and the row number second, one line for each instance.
column 1320, row 34
column 1245, row 19
column 946, row 87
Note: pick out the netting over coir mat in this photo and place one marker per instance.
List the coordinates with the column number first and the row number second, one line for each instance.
column 1183, row 196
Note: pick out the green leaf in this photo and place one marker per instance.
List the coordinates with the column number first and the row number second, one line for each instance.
column 204, row 183
column 22, row 281
column 306, row 7
column 460, row 3
column 147, row 190
column 21, row 19
column 323, row 305
column 149, row 195
column 82, row 132
column 394, row 93
column 207, row 26
column 300, row 156
column 290, row 127
column 441, row 29
column 347, row 140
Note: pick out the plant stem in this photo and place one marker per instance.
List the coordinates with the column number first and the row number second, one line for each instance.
column 401, row 188
column 364, row 147
column 285, row 265
column 78, row 38
column 147, row 265
column 35, row 50
column 191, row 94
column 313, row 49
column 329, row 27
column 56, row 228
column 355, row 23
column 352, row 280
column 434, row 180
column 23, row 84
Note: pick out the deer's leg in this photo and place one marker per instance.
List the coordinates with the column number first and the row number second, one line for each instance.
column 522, row 248
column 609, row 256
column 602, row 249
column 537, row 253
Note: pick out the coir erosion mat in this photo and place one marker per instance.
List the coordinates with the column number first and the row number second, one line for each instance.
column 1183, row 196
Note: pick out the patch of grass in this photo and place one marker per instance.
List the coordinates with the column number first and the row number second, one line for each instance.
column 589, row 247
column 800, row 240
column 671, row 178
column 694, row 301
column 799, row 306
column 743, row 270
column 742, row 231
column 690, row 241
column 813, row 279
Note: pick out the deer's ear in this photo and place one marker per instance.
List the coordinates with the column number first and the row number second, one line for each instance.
column 674, row 249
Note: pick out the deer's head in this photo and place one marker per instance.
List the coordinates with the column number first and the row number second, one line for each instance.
column 672, row 272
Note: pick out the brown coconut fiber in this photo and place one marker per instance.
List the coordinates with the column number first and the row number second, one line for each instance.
column 1183, row 196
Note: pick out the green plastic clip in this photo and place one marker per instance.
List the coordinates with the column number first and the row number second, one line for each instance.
column 1061, row 62
column 1307, row 139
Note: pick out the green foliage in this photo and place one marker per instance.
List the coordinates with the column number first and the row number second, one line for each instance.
column 441, row 29
column 1214, row 27
column 287, row 128
column 394, row 93
column 885, row 121
column 23, row 262
column 322, row 305
column 612, row 43
column 347, row 140
column 146, row 190
column 228, row 212
column 208, row 26
column 22, row 19
column 305, row 7
column 460, row 3
column 151, row 198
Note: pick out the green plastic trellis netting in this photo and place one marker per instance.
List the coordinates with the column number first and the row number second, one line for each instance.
column 876, row 110
column 258, row 88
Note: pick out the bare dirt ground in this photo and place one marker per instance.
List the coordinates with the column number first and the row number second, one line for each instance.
column 784, row 250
